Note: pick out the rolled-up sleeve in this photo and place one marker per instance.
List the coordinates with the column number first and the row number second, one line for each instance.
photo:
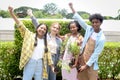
column 97, row 51
column 22, row 29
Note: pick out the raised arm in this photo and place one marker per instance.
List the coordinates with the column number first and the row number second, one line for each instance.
column 20, row 25
column 33, row 18
column 78, row 18
column 13, row 15
column 71, row 7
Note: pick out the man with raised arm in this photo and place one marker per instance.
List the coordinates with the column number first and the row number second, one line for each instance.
column 92, row 46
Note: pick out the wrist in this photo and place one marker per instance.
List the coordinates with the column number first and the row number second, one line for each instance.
column 86, row 66
column 31, row 15
column 10, row 10
column 52, row 65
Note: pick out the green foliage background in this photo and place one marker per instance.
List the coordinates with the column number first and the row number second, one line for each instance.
column 109, row 60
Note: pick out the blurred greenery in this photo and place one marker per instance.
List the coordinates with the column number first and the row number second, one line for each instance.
column 109, row 60
column 49, row 10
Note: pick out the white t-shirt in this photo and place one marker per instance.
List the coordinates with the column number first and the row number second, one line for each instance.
column 38, row 50
column 52, row 45
column 94, row 35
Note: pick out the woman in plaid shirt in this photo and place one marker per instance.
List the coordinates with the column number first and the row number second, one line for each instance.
column 34, row 55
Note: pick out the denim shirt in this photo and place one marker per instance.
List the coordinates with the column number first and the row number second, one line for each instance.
column 99, row 45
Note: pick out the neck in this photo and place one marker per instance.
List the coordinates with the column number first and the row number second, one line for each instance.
column 52, row 35
column 97, row 30
column 40, row 37
column 74, row 34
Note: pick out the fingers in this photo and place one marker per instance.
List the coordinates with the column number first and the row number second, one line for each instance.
column 80, row 70
column 63, row 38
column 29, row 12
column 53, row 70
column 10, row 8
column 70, row 4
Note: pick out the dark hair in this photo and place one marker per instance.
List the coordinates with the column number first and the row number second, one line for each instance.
column 76, row 23
column 45, row 37
column 96, row 16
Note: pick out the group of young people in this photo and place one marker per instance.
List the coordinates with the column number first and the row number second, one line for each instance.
column 41, row 50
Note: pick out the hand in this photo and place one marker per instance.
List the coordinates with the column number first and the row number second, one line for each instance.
column 53, row 69
column 10, row 9
column 78, row 68
column 70, row 4
column 62, row 37
column 73, row 66
column 78, row 42
column 56, row 69
column 84, row 67
column 29, row 12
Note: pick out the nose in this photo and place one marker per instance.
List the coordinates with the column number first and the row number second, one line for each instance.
column 55, row 29
column 94, row 24
column 72, row 29
column 43, row 30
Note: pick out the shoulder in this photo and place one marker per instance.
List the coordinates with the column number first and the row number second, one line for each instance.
column 59, row 39
column 102, row 38
column 67, row 35
column 102, row 35
column 80, row 37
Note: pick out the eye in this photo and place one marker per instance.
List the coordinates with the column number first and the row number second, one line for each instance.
column 44, row 29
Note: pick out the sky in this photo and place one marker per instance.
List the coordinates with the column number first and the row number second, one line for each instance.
column 104, row 7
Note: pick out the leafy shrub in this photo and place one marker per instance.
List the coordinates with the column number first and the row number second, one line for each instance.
column 7, row 60
column 109, row 61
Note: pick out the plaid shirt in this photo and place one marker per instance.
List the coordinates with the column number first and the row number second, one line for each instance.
column 28, row 47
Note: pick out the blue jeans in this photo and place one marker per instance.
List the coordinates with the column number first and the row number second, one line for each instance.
column 51, row 75
column 33, row 69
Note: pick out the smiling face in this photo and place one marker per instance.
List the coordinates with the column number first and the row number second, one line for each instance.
column 73, row 28
column 96, row 25
column 55, row 28
column 41, row 30
column 96, row 20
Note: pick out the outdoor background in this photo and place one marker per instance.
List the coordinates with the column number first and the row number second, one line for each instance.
column 58, row 10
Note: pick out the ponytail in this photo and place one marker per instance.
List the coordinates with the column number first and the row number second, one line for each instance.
column 35, row 44
column 45, row 43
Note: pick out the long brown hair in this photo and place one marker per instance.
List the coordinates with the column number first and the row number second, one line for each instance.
column 45, row 37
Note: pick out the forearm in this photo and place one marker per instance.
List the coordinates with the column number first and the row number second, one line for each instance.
column 80, row 20
column 33, row 18
column 71, row 7
column 73, row 10
column 76, row 60
column 34, row 21
column 14, row 17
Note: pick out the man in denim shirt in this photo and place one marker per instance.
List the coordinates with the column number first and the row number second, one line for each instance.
column 92, row 46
